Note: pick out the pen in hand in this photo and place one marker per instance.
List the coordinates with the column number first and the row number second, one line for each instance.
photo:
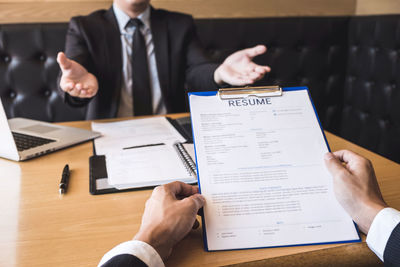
column 64, row 180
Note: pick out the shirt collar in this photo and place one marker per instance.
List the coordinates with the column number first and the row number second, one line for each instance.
column 123, row 18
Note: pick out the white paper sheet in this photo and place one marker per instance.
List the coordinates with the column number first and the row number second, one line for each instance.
column 147, row 166
column 123, row 134
column 262, row 173
column 140, row 152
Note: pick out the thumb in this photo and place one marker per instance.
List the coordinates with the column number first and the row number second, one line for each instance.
column 255, row 51
column 63, row 61
column 196, row 201
column 333, row 164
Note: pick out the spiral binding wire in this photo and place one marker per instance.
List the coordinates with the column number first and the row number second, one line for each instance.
column 186, row 159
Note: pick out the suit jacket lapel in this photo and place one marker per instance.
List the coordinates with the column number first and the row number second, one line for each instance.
column 159, row 29
column 114, row 56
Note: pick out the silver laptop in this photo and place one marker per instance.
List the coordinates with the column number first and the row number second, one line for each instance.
column 22, row 139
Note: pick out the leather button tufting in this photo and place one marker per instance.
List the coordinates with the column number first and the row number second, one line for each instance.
column 47, row 93
column 13, row 94
column 351, row 78
column 7, row 59
column 42, row 57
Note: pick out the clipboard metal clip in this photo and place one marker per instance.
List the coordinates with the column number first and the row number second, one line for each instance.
column 244, row 92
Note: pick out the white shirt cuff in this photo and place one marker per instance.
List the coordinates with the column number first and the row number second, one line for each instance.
column 381, row 229
column 141, row 250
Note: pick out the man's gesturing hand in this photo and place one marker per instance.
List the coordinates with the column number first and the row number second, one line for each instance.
column 169, row 215
column 75, row 79
column 355, row 186
column 238, row 69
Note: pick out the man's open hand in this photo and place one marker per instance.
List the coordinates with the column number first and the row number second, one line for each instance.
column 238, row 69
column 75, row 79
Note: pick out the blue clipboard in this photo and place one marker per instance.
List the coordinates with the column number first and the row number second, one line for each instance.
column 269, row 91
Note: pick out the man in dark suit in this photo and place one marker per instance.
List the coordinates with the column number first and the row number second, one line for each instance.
column 135, row 60
column 168, row 218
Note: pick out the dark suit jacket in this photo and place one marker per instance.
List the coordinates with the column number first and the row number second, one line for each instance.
column 94, row 41
column 391, row 256
column 125, row 260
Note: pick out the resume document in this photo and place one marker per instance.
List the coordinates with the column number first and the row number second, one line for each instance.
column 260, row 167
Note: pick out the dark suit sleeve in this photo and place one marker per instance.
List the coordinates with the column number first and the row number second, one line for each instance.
column 77, row 50
column 124, row 260
column 391, row 255
column 199, row 69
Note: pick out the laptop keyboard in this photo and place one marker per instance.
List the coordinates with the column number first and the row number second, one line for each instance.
column 24, row 141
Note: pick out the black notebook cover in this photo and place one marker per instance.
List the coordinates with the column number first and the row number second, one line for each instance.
column 98, row 170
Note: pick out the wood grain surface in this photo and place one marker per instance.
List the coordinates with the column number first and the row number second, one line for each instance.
column 28, row 11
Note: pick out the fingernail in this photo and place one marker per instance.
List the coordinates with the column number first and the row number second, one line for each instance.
column 202, row 197
column 328, row 156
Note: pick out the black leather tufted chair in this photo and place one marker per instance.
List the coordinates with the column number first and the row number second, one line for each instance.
column 28, row 72
column 371, row 111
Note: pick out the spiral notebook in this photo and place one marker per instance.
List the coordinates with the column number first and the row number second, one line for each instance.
column 171, row 159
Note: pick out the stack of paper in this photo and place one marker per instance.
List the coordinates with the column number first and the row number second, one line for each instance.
column 140, row 152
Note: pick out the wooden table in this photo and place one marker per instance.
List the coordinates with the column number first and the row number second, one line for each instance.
column 38, row 227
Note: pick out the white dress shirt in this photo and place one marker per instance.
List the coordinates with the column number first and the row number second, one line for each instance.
column 141, row 250
column 125, row 108
column 381, row 229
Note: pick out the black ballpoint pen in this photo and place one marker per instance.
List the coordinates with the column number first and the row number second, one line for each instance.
column 64, row 180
